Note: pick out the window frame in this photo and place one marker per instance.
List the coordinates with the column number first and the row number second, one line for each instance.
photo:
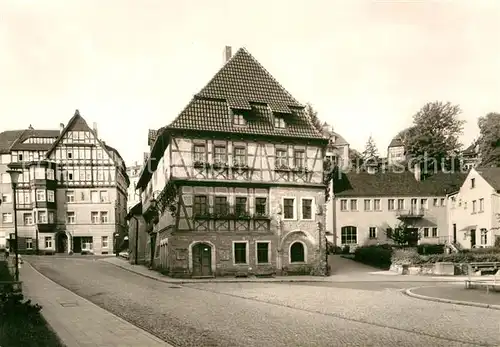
column 312, row 208
column 304, row 249
column 256, row 198
column 204, row 207
column 375, row 233
column 246, row 243
column 269, row 253
column 348, row 228
column 294, row 209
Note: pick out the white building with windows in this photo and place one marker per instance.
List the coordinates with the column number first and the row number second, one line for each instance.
column 370, row 205
column 474, row 210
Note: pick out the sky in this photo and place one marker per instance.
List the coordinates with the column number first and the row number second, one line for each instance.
column 131, row 65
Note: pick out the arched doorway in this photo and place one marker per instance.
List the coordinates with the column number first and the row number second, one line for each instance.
column 61, row 242
column 202, row 260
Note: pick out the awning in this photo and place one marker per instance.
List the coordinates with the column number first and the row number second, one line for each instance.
column 470, row 227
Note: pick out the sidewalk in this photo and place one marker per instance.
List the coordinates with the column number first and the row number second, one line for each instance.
column 378, row 276
column 78, row 322
column 457, row 294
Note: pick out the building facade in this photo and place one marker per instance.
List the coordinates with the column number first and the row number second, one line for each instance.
column 71, row 193
column 337, row 152
column 474, row 210
column 470, row 156
column 237, row 181
column 396, row 151
column 370, row 205
column 133, row 195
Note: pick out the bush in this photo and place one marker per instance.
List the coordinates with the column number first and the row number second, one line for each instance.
column 21, row 323
column 346, row 249
column 426, row 249
column 377, row 256
column 406, row 256
column 497, row 241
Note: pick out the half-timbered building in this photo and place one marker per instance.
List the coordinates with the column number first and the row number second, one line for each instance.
column 71, row 193
column 234, row 185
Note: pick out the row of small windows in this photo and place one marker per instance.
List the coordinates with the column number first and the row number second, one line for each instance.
column 69, row 174
column 26, row 196
column 86, row 242
column 392, row 204
column 349, row 234
column 240, row 156
column 263, row 252
column 44, row 140
column 239, row 119
column 96, row 217
column 221, row 206
column 477, row 205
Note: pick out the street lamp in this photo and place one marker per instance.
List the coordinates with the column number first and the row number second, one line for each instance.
column 14, row 177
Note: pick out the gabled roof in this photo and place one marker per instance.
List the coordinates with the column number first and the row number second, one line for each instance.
column 7, row 139
column 393, row 184
column 396, row 142
column 18, row 145
column 243, row 85
column 490, row 175
column 78, row 123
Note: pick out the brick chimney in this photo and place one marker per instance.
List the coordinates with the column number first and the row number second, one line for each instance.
column 94, row 127
column 227, row 53
column 61, row 127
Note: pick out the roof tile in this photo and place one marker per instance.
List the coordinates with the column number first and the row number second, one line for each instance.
column 397, row 184
column 243, row 85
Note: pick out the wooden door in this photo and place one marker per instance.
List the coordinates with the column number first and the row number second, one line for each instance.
column 202, row 260
column 472, row 238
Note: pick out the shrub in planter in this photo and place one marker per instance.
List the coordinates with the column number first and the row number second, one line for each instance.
column 376, row 255
column 485, row 250
column 426, row 249
column 406, row 256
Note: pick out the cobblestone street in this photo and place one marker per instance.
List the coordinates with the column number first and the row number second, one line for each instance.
column 274, row 314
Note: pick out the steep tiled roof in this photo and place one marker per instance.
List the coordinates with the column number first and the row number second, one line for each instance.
column 471, row 150
column 7, row 138
column 491, row 175
column 245, row 86
column 396, row 142
column 29, row 133
column 396, row 184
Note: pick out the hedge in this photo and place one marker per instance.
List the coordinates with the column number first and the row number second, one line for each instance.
column 411, row 256
column 426, row 249
column 377, row 255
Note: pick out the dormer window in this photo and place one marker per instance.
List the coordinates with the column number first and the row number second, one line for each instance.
column 279, row 123
column 238, row 119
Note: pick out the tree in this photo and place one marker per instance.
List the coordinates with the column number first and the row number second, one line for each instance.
column 313, row 116
column 355, row 158
column 403, row 235
column 489, row 139
column 434, row 138
column 371, row 151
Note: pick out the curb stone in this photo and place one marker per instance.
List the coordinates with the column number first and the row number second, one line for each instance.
column 449, row 301
column 242, row 280
column 283, row 279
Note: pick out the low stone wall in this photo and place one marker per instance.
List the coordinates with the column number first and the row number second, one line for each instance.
column 440, row 269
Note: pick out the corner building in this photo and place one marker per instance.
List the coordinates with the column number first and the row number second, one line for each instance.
column 235, row 182
column 71, row 193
